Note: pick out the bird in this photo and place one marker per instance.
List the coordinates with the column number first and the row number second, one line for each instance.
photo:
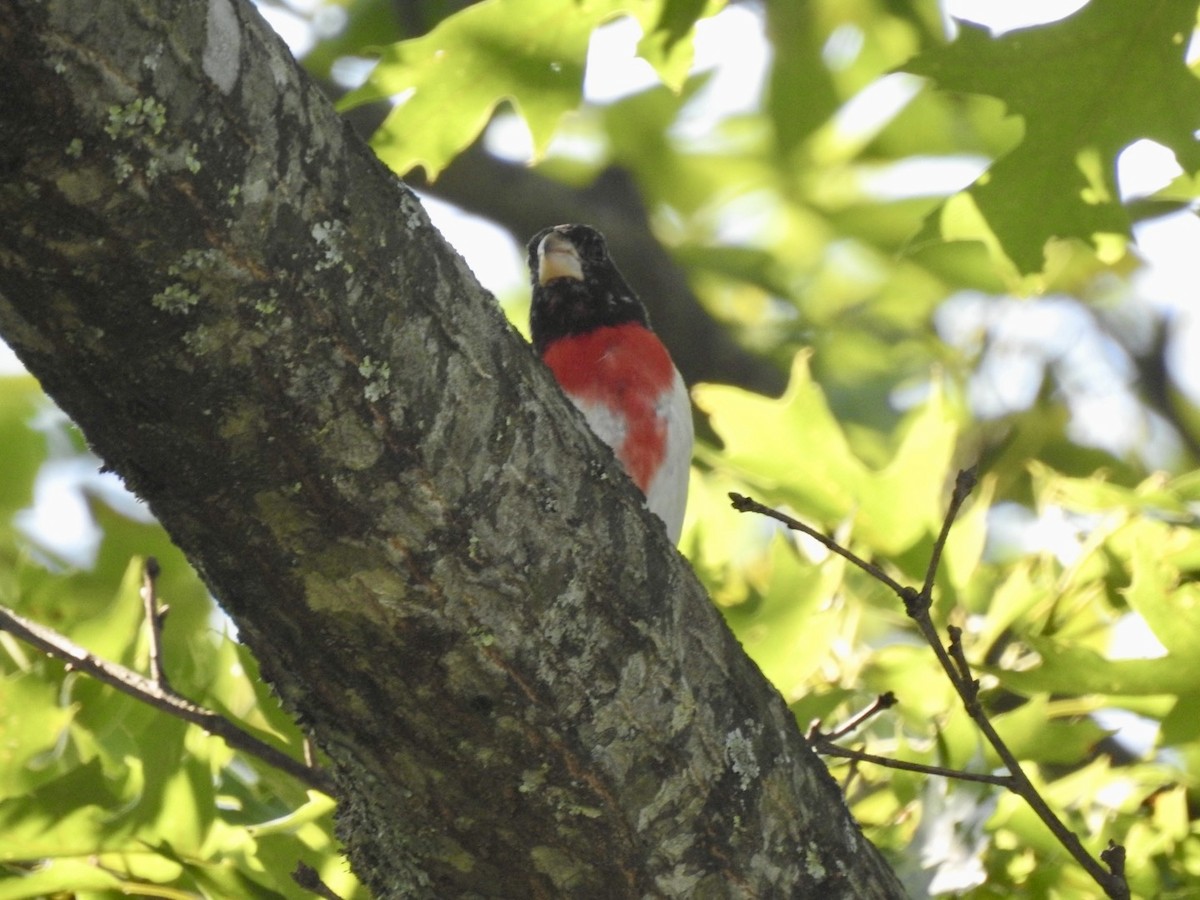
column 591, row 330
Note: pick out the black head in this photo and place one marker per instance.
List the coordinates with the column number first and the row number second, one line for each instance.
column 576, row 287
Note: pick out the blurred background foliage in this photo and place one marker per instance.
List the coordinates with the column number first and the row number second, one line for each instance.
column 882, row 245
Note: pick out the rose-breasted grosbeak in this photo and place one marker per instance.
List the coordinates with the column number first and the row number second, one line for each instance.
column 592, row 331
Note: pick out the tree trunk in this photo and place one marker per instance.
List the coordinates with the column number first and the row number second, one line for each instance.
column 522, row 688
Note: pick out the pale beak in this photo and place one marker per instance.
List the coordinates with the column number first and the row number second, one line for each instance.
column 558, row 258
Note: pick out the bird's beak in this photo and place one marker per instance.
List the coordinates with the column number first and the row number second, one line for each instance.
column 558, row 258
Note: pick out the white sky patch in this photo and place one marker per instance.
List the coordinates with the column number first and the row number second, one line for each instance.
column 614, row 70
column 922, row 176
column 1133, row 639
column 737, row 80
column 748, row 219
column 1168, row 282
column 350, row 72
column 489, row 250
column 1021, row 343
column 9, row 364
column 842, row 47
column 1138, row 733
column 59, row 521
column 508, row 137
column 868, row 112
column 1017, row 530
column 1145, row 167
column 1011, row 14
column 293, row 24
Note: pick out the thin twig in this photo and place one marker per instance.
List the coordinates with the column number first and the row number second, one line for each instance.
column 1114, row 857
column 964, row 483
column 826, row 748
column 154, row 621
column 747, row 504
column 954, row 663
column 960, row 659
column 824, row 744
column 958, row 670
column 160, row 697
column 884, row 701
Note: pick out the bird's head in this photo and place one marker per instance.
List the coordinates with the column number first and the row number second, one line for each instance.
column 567, row 251
column 576, row 286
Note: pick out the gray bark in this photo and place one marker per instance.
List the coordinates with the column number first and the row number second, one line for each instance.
column 522, row 688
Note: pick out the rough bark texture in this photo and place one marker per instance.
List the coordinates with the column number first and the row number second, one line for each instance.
column 523, row 690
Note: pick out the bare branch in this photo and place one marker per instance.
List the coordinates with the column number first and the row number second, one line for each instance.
column 154, row 621
column 748, row 504
column 964, row 483
column 958, row 670
column 953, row 661
column 884, row 701
column 158, row 696
column 825, row 748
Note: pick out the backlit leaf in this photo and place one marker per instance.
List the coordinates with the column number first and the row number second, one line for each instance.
column 1086, row 88
column 527, row 52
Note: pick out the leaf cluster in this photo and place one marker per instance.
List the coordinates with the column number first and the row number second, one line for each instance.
column 100, row 794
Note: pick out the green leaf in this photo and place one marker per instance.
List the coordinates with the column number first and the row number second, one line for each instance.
column 57, row 877
column 788, row 631
column 178, row 801
column 1033, row 734
column 905, row 500
column 795, row 75
column 1071, row 669
column 677, row 18
column 529, row 52
column 667, row 46
column 1086, row 87
column 910, row 672
column 1182, row 723
column 793, row 446
column 318, row 806
column 31, row 727
column 1171, row 610
column 638, row 135
column 368, row 23
column 796, row 450
column 24, row 449
column 62, row 817
column 1022, row 589
column 113, row 634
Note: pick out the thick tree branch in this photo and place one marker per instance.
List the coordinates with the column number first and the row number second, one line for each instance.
column 521, row 687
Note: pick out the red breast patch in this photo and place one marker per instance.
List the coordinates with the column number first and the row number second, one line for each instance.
column 627, row 369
